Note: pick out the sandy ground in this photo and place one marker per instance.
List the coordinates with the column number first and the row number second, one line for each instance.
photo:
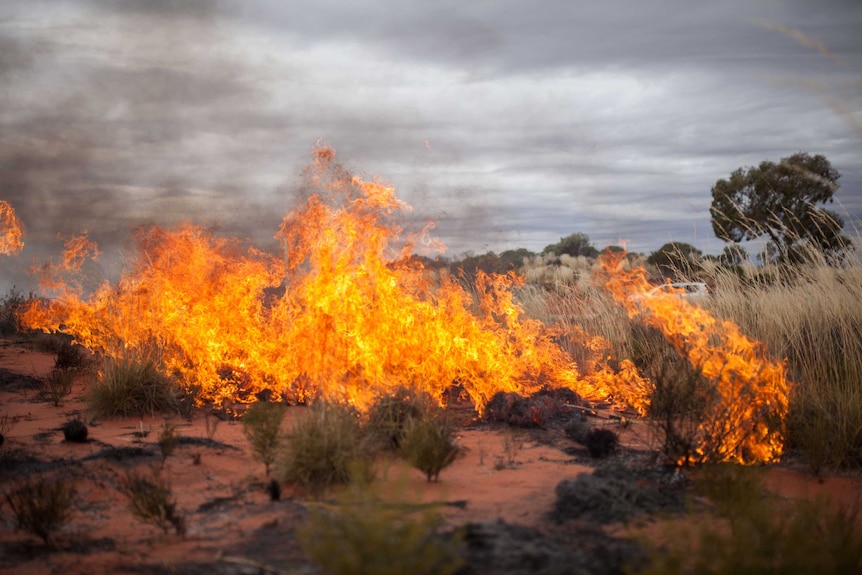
column 231, row 520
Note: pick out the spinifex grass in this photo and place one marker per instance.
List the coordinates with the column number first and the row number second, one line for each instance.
column 40, row 506
column 809, row 314
column 151, row 499
column 757, row 533
column 325, row 448
column 132, row 386
column 262, row 427
column 365, row 534
column 428, row 444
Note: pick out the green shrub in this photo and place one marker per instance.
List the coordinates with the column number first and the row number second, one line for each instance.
column 58, row 384
column 41, row 506
column 325, row 448
column 151, row 500
column 762, row 534
column 365, row 535
column 388, row 415
column 132, row 386
column 262, row 427
column 428, row 445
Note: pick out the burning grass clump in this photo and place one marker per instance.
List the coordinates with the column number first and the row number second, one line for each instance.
column 326, row 447
column 755, row 532
column 363, row 534
column 151, row 500
column 428, row 444
column 262, row 427
column 41, row 506
column 131, row 386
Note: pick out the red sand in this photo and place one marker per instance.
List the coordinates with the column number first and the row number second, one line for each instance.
column 220, row 489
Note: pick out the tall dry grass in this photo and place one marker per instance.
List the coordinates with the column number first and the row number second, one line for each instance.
column 810, row 314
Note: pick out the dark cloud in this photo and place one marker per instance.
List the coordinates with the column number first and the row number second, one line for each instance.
column 512, row 123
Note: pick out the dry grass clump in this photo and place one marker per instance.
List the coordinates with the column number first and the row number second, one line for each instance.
column 40, row 506
column 132, row 386
column 58, row 384
column 759, row 533
column 151, row 500
column 363, row 534
column 428, row 444
column 262, row 427
column 385, row 421
column 809, row 314
column 325, row 448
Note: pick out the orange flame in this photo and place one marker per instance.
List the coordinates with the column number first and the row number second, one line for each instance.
column 347, row 313
column 11, row 230
column 746, row 425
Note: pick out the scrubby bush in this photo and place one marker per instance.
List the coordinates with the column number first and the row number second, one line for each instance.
column 58, row 384
column 132, row 386
column 761, row 534
column 71, row 356
column 151, row 500
column 325, row 448
column 363, row 534
column 428, row 444
column 40, row 506
column 75, row 431
column 168, row 440
column 262, row 427
column 387, row 417
column 601, row 442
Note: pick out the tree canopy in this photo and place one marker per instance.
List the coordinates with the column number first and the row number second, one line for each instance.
column 676, row 259
column 576, row 244
column 780, row 201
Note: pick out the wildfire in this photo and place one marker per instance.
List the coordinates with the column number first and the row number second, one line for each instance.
column 746, row 422
column 347, row 313
column 11, row 230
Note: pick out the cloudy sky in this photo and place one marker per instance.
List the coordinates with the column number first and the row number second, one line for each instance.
column 509, row 122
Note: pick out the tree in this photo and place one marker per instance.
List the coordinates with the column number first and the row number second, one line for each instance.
column 676, row 259
column 576, row 244
column 779, row 201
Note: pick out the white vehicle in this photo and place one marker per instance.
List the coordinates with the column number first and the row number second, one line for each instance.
column 686, row 290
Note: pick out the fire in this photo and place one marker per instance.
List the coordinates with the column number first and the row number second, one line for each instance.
column 11, row 230
column 344, row 313
column 747, row 424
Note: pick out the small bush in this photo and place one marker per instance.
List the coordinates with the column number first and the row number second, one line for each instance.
column 325, row 448
column 365, row 535
column 41, row 506
column 388, row 415
column 71, row 356
column 601, row 442
column 11, row 305
column 577, row 428
column 58, row 384
column 151, row 500
column 75, row 431
column 262, row 427
column 132, row 386
column 168, row 440
column 761, row 534
column 428, row 445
